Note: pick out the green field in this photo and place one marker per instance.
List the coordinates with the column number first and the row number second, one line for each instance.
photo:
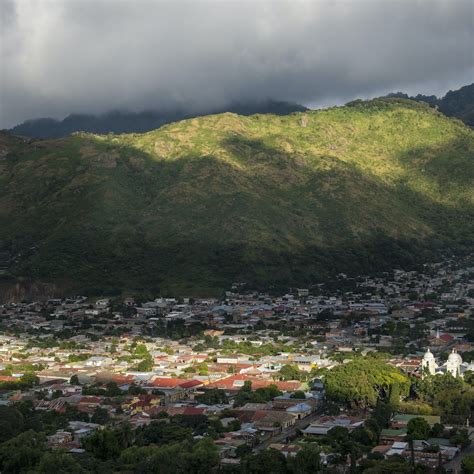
column 275, row 201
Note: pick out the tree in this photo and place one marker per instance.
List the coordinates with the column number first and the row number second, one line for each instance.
column 460, row 437
column 162, row 433
column 469, row 377
column 203, row 457
column 100, row 416
column 113, row 389
column 144, row 365
column 363, row 381
column 289, row 372
column 437, row 430
column 74, row 380
column 261, row 395
column 136, row 390
column 306, row 461
column 265, row 462
column 59, row 462
column 243, row 450
column 29, row 380
column 393, row 465
column 418, row 428
column 199, row 458
column 11, row 422
column 22, row 453
column 212, row 396
column 105, row 444
column 203, row 369
column 299, row 394
column 468, row 464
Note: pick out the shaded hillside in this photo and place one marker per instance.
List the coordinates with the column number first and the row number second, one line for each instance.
column 458, row 103
column 269, row 200
column 138, row 122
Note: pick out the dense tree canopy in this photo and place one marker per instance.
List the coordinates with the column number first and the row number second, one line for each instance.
column 363, row 380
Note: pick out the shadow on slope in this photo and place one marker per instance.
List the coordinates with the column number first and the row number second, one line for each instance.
column 193, row 225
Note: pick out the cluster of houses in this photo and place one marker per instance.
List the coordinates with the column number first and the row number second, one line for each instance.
column 77, row 343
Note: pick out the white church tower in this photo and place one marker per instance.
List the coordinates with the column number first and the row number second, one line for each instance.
column 428, row 363
column 453, row 365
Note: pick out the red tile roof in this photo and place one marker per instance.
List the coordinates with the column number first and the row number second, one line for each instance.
column 191, row 384
column 90, row 400
column 236, row 382
column 191, row 411
column 166, row 382
column 8, row 378
column 123, row 379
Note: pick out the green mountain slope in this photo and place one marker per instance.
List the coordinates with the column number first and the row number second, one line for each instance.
column 458, row 103
column 277, row 200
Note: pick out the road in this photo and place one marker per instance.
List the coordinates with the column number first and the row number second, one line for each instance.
column 454, row 466
column 289, row 432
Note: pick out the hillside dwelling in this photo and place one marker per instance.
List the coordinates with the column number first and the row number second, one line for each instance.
column 60, row 438
column 324, row 424
column 278, row 420
column 389, row 436
column 301, row 410
column 146, row 311
column 98, row 361
column 401, row 421
column 102, row 304
column 288, row 450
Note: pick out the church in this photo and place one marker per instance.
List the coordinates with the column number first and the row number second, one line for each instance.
column 454, row 365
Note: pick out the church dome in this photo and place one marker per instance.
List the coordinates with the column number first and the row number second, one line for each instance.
column 428, row 355
column 454, row 358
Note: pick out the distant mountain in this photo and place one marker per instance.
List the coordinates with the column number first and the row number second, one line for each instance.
column 275, row 201
column 138, row 122
column 459, row 103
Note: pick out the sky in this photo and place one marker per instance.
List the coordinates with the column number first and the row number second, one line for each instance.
column 91, row 56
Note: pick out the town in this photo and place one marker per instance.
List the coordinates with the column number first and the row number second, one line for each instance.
column 358, row 374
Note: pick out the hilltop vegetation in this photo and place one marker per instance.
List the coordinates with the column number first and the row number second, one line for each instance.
column 133, row 122
column 270, row 200
column 458, row 103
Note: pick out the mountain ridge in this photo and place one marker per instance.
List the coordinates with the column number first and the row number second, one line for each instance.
column 458, row 103
column 139, row 122
column 274, row 201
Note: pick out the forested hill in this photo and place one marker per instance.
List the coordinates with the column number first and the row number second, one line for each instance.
column 458, row 103
column 139, row 122
column 275, row 201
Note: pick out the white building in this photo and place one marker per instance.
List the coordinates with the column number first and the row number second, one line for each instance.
column 428, row 363
column 454, row 365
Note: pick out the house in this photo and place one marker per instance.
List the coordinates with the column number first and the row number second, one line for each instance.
column 390, row 436
column 398, row 447
column 60, row 438
column 288, row 450
column 324, row 424
column 275, row 420
column 235, row 382
column 81, row 429
column 401, row 421
column 300, row 410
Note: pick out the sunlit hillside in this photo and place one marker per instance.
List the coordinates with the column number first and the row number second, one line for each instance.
column 200, row 203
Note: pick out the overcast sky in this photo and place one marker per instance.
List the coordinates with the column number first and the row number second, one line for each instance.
column 65, row 56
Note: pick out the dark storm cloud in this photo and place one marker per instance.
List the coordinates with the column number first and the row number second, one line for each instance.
column 68, row 56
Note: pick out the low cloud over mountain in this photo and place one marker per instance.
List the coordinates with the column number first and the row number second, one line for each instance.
column 96, row 55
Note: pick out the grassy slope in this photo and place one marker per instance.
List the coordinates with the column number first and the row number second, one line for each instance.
column 199, row 203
